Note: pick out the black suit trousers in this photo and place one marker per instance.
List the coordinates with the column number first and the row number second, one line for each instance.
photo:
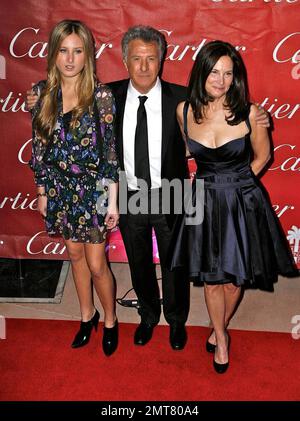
column 136, row 232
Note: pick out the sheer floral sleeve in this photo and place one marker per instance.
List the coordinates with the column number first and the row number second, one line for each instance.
column 38, row 148
column 109, row 167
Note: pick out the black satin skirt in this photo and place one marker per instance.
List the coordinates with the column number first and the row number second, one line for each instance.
column 240, row 239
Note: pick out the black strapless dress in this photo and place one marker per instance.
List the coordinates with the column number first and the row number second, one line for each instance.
column 240, row 239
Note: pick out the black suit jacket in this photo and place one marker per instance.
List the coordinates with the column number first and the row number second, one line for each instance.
column 173, row 162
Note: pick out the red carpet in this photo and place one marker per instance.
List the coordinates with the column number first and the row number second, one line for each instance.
column 37, row 363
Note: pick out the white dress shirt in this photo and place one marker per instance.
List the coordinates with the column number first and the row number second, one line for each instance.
column 154, row 124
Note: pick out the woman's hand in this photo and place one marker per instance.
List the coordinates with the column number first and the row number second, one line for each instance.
column 112, row 217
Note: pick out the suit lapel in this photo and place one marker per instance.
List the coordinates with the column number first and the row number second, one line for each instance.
column 120, row 94
column 167, row 117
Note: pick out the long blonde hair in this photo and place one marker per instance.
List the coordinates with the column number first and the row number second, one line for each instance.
column 45, row 120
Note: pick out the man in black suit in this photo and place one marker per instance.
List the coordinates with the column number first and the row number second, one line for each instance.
column 143, row 49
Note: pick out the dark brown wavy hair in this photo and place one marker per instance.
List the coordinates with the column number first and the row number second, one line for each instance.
column 237, row 97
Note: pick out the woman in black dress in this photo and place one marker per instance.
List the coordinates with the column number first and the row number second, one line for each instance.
column 239, row 241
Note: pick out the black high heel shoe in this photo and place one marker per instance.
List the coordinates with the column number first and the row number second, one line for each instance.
column 110, row 339
column 210, row 347
column 83, row 335
column 222, row 368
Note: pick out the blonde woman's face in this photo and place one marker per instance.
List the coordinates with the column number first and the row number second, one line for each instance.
column 70, row 59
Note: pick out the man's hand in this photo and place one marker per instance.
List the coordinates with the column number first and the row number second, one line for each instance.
column 31, row 99
column 262, row 117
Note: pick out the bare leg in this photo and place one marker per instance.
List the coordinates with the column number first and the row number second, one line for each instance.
column 215, row 302
column 82, row 279
column 103, row 281
column 232, row 294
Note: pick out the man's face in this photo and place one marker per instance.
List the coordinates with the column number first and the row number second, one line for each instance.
column 143, row 64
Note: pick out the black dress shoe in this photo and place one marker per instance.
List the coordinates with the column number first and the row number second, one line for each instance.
column 83, row 335
column 143, row 333
column 178, row 336
column 110, row 339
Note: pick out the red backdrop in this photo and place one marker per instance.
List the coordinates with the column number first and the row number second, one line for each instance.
column 267, row 33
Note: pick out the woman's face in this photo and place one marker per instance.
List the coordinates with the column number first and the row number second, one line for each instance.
column 220, row 78
column 70, row 59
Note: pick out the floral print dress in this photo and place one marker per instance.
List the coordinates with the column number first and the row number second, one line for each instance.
column 76, row 168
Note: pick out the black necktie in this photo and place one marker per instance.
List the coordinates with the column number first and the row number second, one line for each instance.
column 141, row 154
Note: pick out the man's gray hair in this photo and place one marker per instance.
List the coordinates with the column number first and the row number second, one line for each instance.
column 146, row 34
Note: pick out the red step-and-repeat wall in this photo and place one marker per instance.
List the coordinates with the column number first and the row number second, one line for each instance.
column 267, row 33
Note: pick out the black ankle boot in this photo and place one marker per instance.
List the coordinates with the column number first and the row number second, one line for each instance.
column 83, row 335
column 110, row 339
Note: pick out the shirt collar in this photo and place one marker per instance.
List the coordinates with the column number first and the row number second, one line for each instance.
column 153, row 93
